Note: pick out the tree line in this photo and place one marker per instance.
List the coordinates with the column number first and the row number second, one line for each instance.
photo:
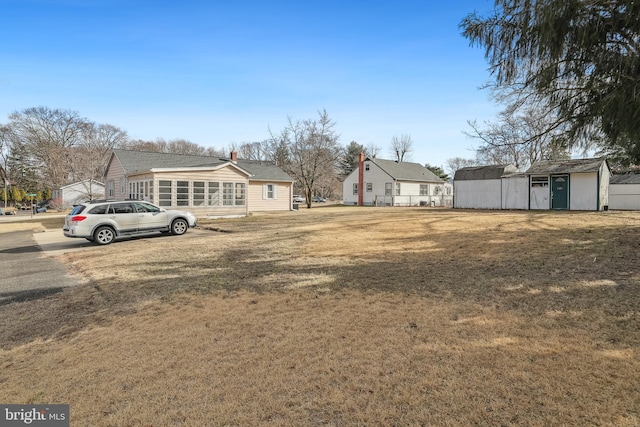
column 43, row 149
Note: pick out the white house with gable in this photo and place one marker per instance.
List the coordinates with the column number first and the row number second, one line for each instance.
column 379, row 182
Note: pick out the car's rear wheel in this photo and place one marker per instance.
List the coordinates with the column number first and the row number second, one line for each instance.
column 179, row 226
column 104, row 235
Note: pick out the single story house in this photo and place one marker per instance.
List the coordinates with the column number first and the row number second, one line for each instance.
column 481, row 187
column 573, row 184
column 71, row 194
column 204, row 185
column 624, row 191
column 379, row 182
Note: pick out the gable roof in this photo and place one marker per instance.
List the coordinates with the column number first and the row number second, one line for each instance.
column 405, row 171
column 81, row 182
column 135, row 162
column 566, row 166
column 472, row 173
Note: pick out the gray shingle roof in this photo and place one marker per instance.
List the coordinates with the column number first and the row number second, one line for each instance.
column 143, row 161
column 406, row 171
column 627, row 178
column 565, row 166
column 472, row 173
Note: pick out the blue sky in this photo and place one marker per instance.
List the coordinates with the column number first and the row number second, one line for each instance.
column 222, row 72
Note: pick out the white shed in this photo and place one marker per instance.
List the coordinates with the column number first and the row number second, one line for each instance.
column 574, row 184
column 481, row 187
column 515, row 191
column 624, row 192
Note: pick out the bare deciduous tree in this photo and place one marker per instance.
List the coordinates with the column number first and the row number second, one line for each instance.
column 401, row 147
column 46, row 136
column 522, row 135
column 92, row 155
column 312, row 151
column 456, row 163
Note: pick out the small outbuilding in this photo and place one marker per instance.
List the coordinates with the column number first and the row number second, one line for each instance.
column 573, row 184
column 481, row 187
column 624, row 191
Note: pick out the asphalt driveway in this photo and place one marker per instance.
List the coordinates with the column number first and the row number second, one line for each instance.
column 27, row 273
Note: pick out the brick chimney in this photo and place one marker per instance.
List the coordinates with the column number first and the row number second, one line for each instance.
column 361, row 180
column 234, row 156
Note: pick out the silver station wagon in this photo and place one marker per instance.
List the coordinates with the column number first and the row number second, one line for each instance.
column 103, row 221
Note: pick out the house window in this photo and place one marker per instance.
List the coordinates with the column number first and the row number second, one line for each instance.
column 437, row 190
column 123, row 185
column 198, row 193
column 366, row 166
column 397, row 188
column 240, row 194
column 227, row 193
column 387, row 188
column 369, row 187
column 110, row 188
column 270, row 191
column 182, row 193
column 424, row 189
column 355, row 188
column 213, row 198
column 164, row 193
column 539, row 181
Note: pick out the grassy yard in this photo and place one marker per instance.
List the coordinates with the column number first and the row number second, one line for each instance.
column 339, row 316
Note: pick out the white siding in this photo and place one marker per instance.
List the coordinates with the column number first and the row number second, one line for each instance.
column 515, row 192
column 540, row 197
column 258, row 201
column 605, row 175
column 583, row 192
column 477, row 194
column 624, row 196
column 378, row 178
column 348, row 198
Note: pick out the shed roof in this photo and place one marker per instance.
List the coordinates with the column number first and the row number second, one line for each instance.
column 627, row 178
column 406, row 171
column 566, row 166
column 472, row 173
column 143, row 161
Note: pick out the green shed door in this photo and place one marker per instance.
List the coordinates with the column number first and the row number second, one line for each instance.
column 560, row 192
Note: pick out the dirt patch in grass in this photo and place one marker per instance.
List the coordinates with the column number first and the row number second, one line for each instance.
column 343, row 316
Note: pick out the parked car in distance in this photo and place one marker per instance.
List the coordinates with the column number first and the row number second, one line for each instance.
column 318, row 199
column 298, row 199
column 9, row 210
column 103, row 221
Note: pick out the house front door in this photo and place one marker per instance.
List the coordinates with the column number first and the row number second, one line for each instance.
column 560, row 192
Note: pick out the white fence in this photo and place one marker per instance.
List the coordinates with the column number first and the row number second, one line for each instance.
column 432, row 201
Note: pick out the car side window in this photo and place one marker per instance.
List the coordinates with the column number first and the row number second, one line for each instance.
column 121, row 208
column 145, row 207
column 99, row 210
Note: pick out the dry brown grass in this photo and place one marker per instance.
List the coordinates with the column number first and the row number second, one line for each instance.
column 344, row 316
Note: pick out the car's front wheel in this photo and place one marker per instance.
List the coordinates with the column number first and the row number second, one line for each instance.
column 104, row 235
column 179, row 226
